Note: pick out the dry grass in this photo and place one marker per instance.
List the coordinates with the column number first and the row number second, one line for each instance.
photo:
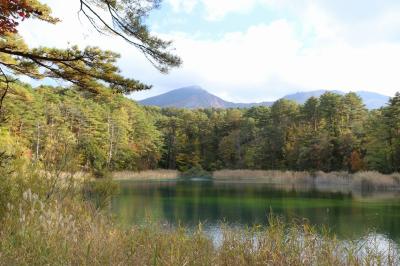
column 367, row 179
column 376, row 179
column 37, row 230
column 39, row 233
column 146, row 175
column 271, row 176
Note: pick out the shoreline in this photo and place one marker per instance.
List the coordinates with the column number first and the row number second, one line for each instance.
column 366, row 179
column 159, row 174
column 369, row 180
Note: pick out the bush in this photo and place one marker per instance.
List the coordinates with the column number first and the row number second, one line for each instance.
column 196, row 172
column 100, row 191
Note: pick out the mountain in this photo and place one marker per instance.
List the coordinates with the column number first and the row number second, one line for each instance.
column 302, row 97
column 193, row 97
column 372, row 100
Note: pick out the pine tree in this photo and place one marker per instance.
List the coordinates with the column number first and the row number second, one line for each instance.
column 90, row 68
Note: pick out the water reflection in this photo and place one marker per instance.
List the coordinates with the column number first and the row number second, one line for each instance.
column 347, row 214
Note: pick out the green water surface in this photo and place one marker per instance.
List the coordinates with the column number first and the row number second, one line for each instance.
column 347, row 214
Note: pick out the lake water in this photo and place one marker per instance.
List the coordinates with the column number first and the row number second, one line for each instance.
column 350, row 215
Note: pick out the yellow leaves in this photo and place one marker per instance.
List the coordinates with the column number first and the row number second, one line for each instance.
column 6, row 140
column 11, row 145
column 19, row 92
column 12, row 41
column 16, row 64
column 41, row 11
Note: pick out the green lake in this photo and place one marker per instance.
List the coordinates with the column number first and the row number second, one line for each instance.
column 350, row 215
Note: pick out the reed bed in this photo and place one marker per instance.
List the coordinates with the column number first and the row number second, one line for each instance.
column 37, row 233
column 65, row 229
column 146, row 175
column 359, row 180
column 272, row 176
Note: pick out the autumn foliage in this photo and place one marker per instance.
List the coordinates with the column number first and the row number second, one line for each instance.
column 14, row 11
column 356, row 162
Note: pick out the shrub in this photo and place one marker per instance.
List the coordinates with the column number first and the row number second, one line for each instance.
column 196, row 172
column 145, row 175
column 100, row 191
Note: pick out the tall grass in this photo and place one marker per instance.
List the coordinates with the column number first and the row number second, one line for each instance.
column 48, row 234
column 272, row 176
column 366, row 179
column 41, row 229
column 319, row 179
column 146, row 175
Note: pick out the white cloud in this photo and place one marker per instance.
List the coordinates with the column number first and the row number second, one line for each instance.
column 240, row 59
column 264, row 62
column 216, row 9
column 356, row 21
column 219, row 9
column 255, row 64
column 183, row 5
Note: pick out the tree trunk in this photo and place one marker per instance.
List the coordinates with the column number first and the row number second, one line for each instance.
column 37, row 141
column 110, row 126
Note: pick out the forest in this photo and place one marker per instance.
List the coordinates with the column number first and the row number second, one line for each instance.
column 105, row 132
column 60, row 144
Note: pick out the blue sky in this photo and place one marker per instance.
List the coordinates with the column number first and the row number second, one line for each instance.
column 254, row 50
column 198, row 23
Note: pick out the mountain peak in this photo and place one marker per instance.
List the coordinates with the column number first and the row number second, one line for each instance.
column 191, row 88
column 187, row 97
column 193, row 97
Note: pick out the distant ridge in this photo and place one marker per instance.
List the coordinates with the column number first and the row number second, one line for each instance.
column 194, row 97
column 372, row 100
column 191, row 97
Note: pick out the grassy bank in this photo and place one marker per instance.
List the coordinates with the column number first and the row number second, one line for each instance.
column 262, row 175
column 368, row 179
column 76, row 235
column 319, row 179
column 160, row 174
column 64, row 228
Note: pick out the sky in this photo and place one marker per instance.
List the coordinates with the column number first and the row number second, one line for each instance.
column 252, row 50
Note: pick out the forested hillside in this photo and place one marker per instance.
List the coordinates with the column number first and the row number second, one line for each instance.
column 99, row 132
column 96, row 132
column 329, row 133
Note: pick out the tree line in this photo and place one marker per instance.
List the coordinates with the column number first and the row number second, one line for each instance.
column 98, row 132
column 329, row 133
column 71, row 128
